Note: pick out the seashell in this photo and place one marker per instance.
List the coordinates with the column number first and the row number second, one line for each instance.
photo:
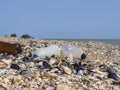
column 2, row 88
column 46, row 65
column 50, row 75
column 26, row 72
column 66, row 69
column 8, row 62
column 14, row 66
column 22, row 66
column 63, row 87
column 70, row 58
column 52, row 61
column 17, row 79
column 50, row 88
column 5, row 86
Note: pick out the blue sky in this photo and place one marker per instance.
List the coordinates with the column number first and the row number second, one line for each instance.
column 69, row 19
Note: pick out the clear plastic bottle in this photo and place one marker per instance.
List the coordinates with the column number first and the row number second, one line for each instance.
column 76, row 52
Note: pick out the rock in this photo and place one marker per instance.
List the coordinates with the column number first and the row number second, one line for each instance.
column 63, row 87
column 66, row 69
column 14, row 66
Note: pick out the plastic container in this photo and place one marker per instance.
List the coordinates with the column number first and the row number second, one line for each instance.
column 47, row 51
column 70, row 49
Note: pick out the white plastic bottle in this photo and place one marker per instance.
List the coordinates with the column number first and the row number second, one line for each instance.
column 47, row 51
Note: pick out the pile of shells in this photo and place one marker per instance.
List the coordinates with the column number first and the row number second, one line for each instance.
column 99, row 71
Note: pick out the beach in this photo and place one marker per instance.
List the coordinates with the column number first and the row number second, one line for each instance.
column 93, row 77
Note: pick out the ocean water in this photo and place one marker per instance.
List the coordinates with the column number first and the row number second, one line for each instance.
column 109, row 41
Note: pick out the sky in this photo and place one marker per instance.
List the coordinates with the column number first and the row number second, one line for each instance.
column 61, row 19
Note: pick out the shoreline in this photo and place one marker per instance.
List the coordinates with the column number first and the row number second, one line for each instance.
column 98, row 53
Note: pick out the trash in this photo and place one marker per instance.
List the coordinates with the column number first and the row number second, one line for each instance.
column 76, row 52
column 9, row 48
column 35, row 56
column 47, row 51
column 26, row 72
column 14, row 66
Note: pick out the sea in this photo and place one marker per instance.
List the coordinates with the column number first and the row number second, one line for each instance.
column 109, row 41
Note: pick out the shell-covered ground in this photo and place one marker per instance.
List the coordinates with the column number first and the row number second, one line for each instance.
column 62, row 76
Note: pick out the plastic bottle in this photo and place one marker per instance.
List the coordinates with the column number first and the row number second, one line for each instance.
column 76, row 52
column 47, row 51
